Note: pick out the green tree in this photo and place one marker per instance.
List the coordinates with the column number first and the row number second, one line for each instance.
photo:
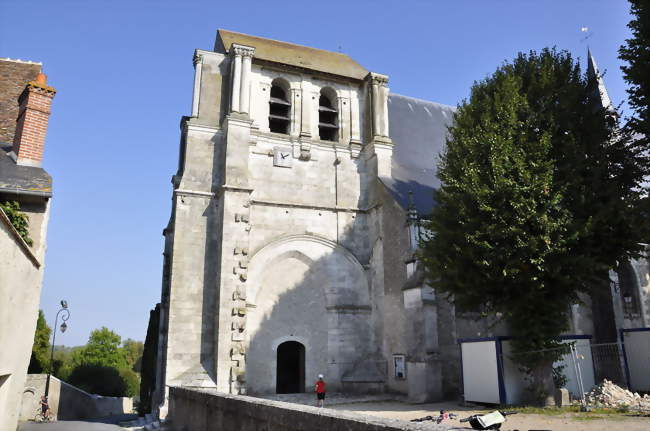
column 40, row 358
column 98, row 379
column 131, row 381
column 103, row 348
column 537, row 202
column 636, row 52
column 104, row 367
column 133, row 352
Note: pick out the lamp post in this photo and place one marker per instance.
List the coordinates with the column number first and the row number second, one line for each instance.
column 64, row 326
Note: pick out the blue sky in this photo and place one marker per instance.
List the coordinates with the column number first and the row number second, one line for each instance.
column 123, row 71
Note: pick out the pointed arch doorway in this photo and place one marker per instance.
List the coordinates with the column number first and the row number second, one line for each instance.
column 290, row 372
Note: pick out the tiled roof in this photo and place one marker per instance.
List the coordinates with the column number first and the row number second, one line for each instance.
column 18, row 179
column 293, row 55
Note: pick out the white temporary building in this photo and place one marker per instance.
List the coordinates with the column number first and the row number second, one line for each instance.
column 491, row 376
column 636, row 352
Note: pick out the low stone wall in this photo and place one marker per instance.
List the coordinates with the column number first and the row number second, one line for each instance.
column 204, row 410
column 68, row 402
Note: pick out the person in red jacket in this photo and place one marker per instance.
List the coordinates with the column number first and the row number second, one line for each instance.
column 319, row 388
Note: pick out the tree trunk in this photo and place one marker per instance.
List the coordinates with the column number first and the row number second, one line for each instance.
column 543, row 388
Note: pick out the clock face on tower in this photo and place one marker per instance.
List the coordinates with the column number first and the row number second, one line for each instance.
column 282, row 157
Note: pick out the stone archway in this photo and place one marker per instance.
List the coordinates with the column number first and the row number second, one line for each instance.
column 304, row 288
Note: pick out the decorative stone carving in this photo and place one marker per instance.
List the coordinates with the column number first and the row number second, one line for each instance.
column 244, row 51
column 197, row 58
column 378, row 79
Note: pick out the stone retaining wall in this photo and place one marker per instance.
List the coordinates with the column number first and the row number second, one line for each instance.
column 68, row 402
column 203, row 410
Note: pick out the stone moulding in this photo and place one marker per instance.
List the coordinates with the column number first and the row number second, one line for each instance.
column 350, row 309
column 309, row 206
column 183, row 192
column 311, row 238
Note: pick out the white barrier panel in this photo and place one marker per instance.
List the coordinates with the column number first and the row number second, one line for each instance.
column 480, row 371
column 513, row 379
column 491, row 375
column 636, row 343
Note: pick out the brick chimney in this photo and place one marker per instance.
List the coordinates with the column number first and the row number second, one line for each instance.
column 31, row 126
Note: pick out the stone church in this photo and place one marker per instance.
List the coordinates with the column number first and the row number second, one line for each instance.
column 295, row 218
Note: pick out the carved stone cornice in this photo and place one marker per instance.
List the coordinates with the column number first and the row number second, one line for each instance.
column 378, row 79
column 244, row 51
column 198, row 58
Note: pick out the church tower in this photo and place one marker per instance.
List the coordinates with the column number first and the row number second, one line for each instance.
column 273, row 267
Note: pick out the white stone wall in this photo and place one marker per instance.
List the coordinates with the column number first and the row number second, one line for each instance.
column 21, row 275
column 68, row 402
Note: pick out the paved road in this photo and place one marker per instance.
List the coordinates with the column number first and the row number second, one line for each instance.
column 68, row 426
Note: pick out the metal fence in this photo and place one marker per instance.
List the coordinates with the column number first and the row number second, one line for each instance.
column 608, row 363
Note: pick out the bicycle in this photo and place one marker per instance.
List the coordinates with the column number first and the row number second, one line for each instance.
column 444, row 415
column 43, row 416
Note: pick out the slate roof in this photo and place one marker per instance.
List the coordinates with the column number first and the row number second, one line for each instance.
column 294, row 55
column 418, row 129
column 26, row 180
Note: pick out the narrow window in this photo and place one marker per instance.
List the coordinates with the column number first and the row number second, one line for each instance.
column 279, row 107
column 327, row 118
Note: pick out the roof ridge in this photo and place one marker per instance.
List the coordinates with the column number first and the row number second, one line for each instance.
column 421, row 100
column 18, row 60
column 285, row 43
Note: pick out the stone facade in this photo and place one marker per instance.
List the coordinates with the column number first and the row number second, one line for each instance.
column 295, row 220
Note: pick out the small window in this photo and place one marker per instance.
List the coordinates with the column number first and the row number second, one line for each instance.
column 327, row 118
column 279, row 108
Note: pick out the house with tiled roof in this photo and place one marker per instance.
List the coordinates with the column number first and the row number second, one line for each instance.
column 25, row 194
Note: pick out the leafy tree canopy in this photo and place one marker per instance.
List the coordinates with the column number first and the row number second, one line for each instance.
column 537, row 202
column 636, row 52
column 133, row 352
column 103, row 348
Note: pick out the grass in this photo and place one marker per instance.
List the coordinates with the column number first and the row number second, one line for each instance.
column 574, row 411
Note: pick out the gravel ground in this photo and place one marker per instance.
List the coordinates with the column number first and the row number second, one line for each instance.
column 522, row 422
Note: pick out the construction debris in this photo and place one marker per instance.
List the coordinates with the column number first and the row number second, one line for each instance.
column 608, row 394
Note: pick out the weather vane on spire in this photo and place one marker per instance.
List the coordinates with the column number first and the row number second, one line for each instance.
column 588, row 33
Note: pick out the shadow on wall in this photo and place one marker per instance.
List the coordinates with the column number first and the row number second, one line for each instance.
column 315, row 294
column 68, row 402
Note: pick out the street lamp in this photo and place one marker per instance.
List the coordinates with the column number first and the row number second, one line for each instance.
column 64, row 326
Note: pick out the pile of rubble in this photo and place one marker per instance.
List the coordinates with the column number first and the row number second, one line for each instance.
column 608, row 394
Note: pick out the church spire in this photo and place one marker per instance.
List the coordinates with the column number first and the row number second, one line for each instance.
column 592, row 72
